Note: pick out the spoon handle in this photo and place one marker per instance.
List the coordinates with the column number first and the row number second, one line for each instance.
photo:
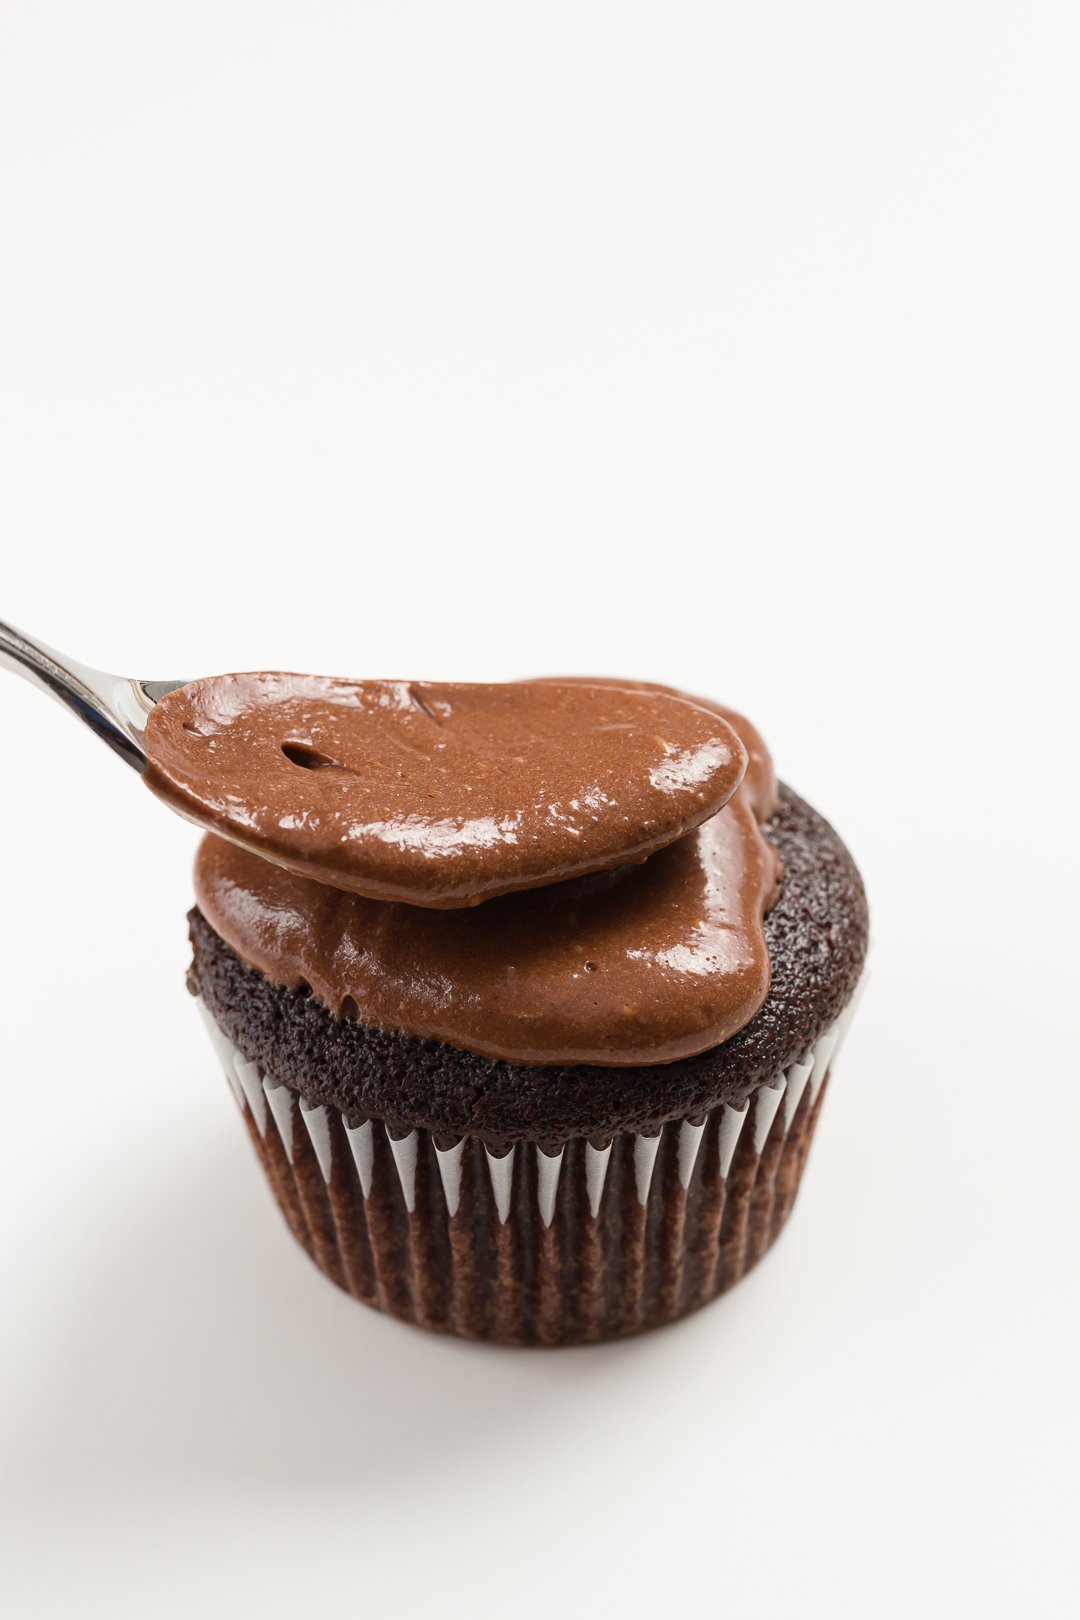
column 113, row 706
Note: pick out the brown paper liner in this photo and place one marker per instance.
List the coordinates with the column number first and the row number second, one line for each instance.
column 529, row 1248
column 520, row 1282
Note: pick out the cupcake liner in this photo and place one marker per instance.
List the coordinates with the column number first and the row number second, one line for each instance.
column 530, row 1246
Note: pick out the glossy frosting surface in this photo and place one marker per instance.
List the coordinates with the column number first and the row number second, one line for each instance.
column 441, row 795
column 638, row 965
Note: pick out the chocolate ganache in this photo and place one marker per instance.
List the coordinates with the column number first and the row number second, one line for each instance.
column 633, row 965
column 441, row 795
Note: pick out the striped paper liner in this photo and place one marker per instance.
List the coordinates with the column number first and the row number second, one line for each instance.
column 599, row 1239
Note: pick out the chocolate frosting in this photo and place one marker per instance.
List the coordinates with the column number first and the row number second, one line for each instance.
column 641, row 965
column 439, row 795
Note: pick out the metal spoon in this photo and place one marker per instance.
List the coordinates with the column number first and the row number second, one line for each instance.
column 114, row 706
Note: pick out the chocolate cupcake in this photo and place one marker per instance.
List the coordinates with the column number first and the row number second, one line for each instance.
column 580, row 1107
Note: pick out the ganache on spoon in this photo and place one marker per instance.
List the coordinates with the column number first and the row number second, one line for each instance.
column 440, row 794
column 435, row 794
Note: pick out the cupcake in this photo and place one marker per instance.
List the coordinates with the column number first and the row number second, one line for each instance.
column 552, row 1082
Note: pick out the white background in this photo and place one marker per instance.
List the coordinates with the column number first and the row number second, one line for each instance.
column 734, row 346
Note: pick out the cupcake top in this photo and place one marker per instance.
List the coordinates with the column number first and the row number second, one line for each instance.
column 635, row 991
column 815, row 934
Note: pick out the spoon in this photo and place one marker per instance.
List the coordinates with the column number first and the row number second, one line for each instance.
column 116, row 707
